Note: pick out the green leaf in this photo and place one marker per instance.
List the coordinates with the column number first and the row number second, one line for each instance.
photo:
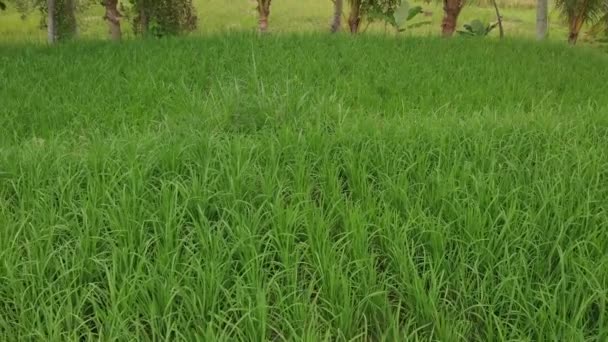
column 491, row 27
column 477, row 27
column 419, row 24
column 402, row 13
column 414, row 11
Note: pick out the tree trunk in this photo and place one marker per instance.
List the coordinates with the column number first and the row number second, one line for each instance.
column 542, row 19
column 68, row 27
column 574, row 27
column 50, row 22
column 499, row 18
column 451, row 9
column 144, row 20
column 354, row 18
column 113, row 18
column 264, row 13
column 337, row 20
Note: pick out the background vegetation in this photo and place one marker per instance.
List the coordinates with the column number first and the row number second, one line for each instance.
column 289, row 16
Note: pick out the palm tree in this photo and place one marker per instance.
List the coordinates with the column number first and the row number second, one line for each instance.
column 264, row 13
column 336, row 20
column 354, row 17
column 580, row 12
column 51, row 24
column 542, row 15
column 113, row 16
column 451, row 11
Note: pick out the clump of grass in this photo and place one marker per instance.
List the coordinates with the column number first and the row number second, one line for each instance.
column 303, row 187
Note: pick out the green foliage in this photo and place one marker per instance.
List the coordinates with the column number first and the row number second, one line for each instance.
column 163, row 17
column 590, row 11
column 394, row 12
column 191, row 190
column 380, row 10
column 581, row 12
column 2, row 6
column 597, row 35
column 26, row 6
column 65, row 14
column 477, row 28
column 65, row 19
column 376, row 10
column 404, row 14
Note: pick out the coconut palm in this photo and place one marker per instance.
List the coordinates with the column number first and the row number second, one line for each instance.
column 264, row 13
column 451, row 11
column 112, row 17
column 354, row 17
column 336, row 20
column 580, row 12
column 542, row 19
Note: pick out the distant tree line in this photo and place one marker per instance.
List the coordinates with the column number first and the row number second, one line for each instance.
column 173, row 17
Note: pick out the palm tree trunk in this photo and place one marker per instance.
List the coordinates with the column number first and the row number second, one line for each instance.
column 336, row 22
column 542, row 18
column 451, row 9
column 354, row 18
column 144, row 18
column 50, row 21
column 574, row 28
column 68, row 28
column 264, row 13
column 112, row 16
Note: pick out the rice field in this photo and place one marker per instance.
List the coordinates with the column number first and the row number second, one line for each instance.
column 303, row 187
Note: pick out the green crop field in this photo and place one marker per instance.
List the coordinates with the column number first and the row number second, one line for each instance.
column 303, row 187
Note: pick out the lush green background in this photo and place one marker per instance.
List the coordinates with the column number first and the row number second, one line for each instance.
column 291, row 16
column 304, row 187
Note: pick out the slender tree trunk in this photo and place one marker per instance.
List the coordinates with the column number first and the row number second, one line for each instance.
column 67, row 27
column 264, row 13
column 451, row 9
column 50, row 21
column 112, row 16
column 542, row 19
column 354, row 18
column 144, row 19
column 337, row 20
column 574, row 27
column 499, row 18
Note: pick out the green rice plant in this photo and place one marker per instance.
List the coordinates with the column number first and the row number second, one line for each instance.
column 184, row 189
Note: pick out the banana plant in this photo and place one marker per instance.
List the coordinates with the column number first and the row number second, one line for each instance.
column 404, row 14
column 477, row 29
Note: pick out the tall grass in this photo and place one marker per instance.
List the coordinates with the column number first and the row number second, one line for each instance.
column 303, row 188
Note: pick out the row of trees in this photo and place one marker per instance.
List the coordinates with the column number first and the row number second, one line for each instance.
column 148, row 17
column 169, row 17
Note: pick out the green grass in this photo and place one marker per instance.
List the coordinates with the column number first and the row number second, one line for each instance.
column 287, row 16
column 303, row 187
